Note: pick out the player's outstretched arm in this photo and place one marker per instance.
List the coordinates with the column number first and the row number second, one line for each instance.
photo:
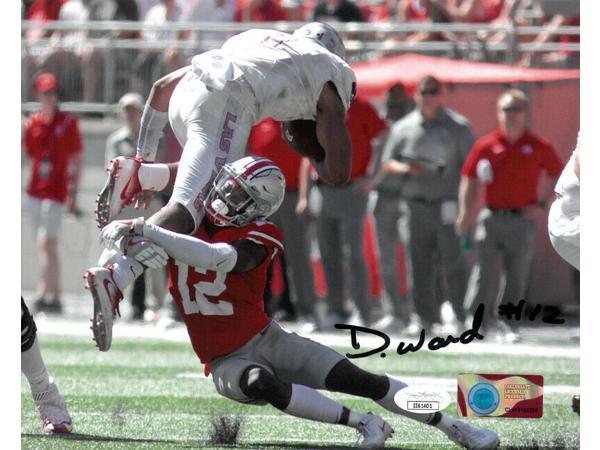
column 333, row 136
column 241, row 256
column 155, row 117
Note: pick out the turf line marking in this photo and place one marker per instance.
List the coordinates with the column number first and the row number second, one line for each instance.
column 127, row 330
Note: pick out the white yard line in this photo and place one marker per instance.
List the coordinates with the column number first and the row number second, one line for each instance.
column 447, row 383
column 123, row 329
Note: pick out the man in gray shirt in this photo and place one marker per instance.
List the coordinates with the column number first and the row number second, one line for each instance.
column 387, row 215
column 427, row 149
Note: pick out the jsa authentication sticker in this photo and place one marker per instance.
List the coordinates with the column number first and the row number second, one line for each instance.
column 500, row 395
column 422, row 399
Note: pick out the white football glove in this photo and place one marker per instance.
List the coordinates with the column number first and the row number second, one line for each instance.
column 112, row 234
column 145, row 251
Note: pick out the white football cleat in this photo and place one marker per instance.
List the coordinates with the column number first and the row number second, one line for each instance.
column 374, row 431
column 53, row 410
column 471, row 437
column 120, row 189
column 106, row 296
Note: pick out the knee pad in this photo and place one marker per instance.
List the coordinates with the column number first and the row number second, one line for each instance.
column 28, row 328
column 256, row 382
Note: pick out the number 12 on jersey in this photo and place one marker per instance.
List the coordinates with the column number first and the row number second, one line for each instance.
column 196, row 302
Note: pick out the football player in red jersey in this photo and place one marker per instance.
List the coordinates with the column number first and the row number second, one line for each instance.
column 217, row 278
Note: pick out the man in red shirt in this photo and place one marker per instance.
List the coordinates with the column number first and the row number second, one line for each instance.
column 508, row 163
column 53, row 143
column 259, row 11
column 340, row 213
column 217, row 277
column 265, row 140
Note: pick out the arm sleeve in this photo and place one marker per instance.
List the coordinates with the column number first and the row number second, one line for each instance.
column 192, row 251
column 152, row 124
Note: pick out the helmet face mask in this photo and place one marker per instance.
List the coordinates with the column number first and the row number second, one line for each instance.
column 244, row 191
column 324, row 35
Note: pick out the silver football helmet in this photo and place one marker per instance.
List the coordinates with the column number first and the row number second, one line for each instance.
column 249, row 189
column 324, row 35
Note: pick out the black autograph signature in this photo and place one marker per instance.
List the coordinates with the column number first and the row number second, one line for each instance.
column 434, row 343
column 508, row 311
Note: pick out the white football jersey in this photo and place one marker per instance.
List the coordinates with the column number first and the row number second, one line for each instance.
column 285, row 73
column 568, row 183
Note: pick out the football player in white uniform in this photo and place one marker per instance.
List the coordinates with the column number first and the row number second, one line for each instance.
column 212, row 104
column 563, row 219
column 252, row 359
column 50, row 404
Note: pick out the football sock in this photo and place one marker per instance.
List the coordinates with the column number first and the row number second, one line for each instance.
column 153, row 177
column 354, row 418
column 388, row 403
column 34, row 369
column 308, row 403
column 125, row 271
column 445, row 423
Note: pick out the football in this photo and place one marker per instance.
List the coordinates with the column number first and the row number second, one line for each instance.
column 301, row 136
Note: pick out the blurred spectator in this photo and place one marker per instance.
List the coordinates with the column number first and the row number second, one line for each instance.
column 145, row 5
column 41, row 12
column 551, row 14
column 420, row 11
column 398, row 103
column 93, row 59
column 337, row 11
column 265, row 140
column 123, row 142
column 53, row 143
column 471, row 11
column 554, row 18
column 152, row 63
column 259, row 11
column 208, row 11
column 25, row 6
column 64, row 55
column 294, row 10
column 376, row 10
column 508, row 162
column 340, row 213
column 387, row 214
column 427, row 148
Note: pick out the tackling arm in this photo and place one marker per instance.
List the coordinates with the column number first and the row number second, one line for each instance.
column 155, row 115
column 242, row 256
column 333, row 136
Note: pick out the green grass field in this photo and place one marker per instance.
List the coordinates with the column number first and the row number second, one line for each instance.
column 152, row 394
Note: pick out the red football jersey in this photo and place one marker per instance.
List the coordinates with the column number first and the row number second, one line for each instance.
column 224, row 310
column 51, row 145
